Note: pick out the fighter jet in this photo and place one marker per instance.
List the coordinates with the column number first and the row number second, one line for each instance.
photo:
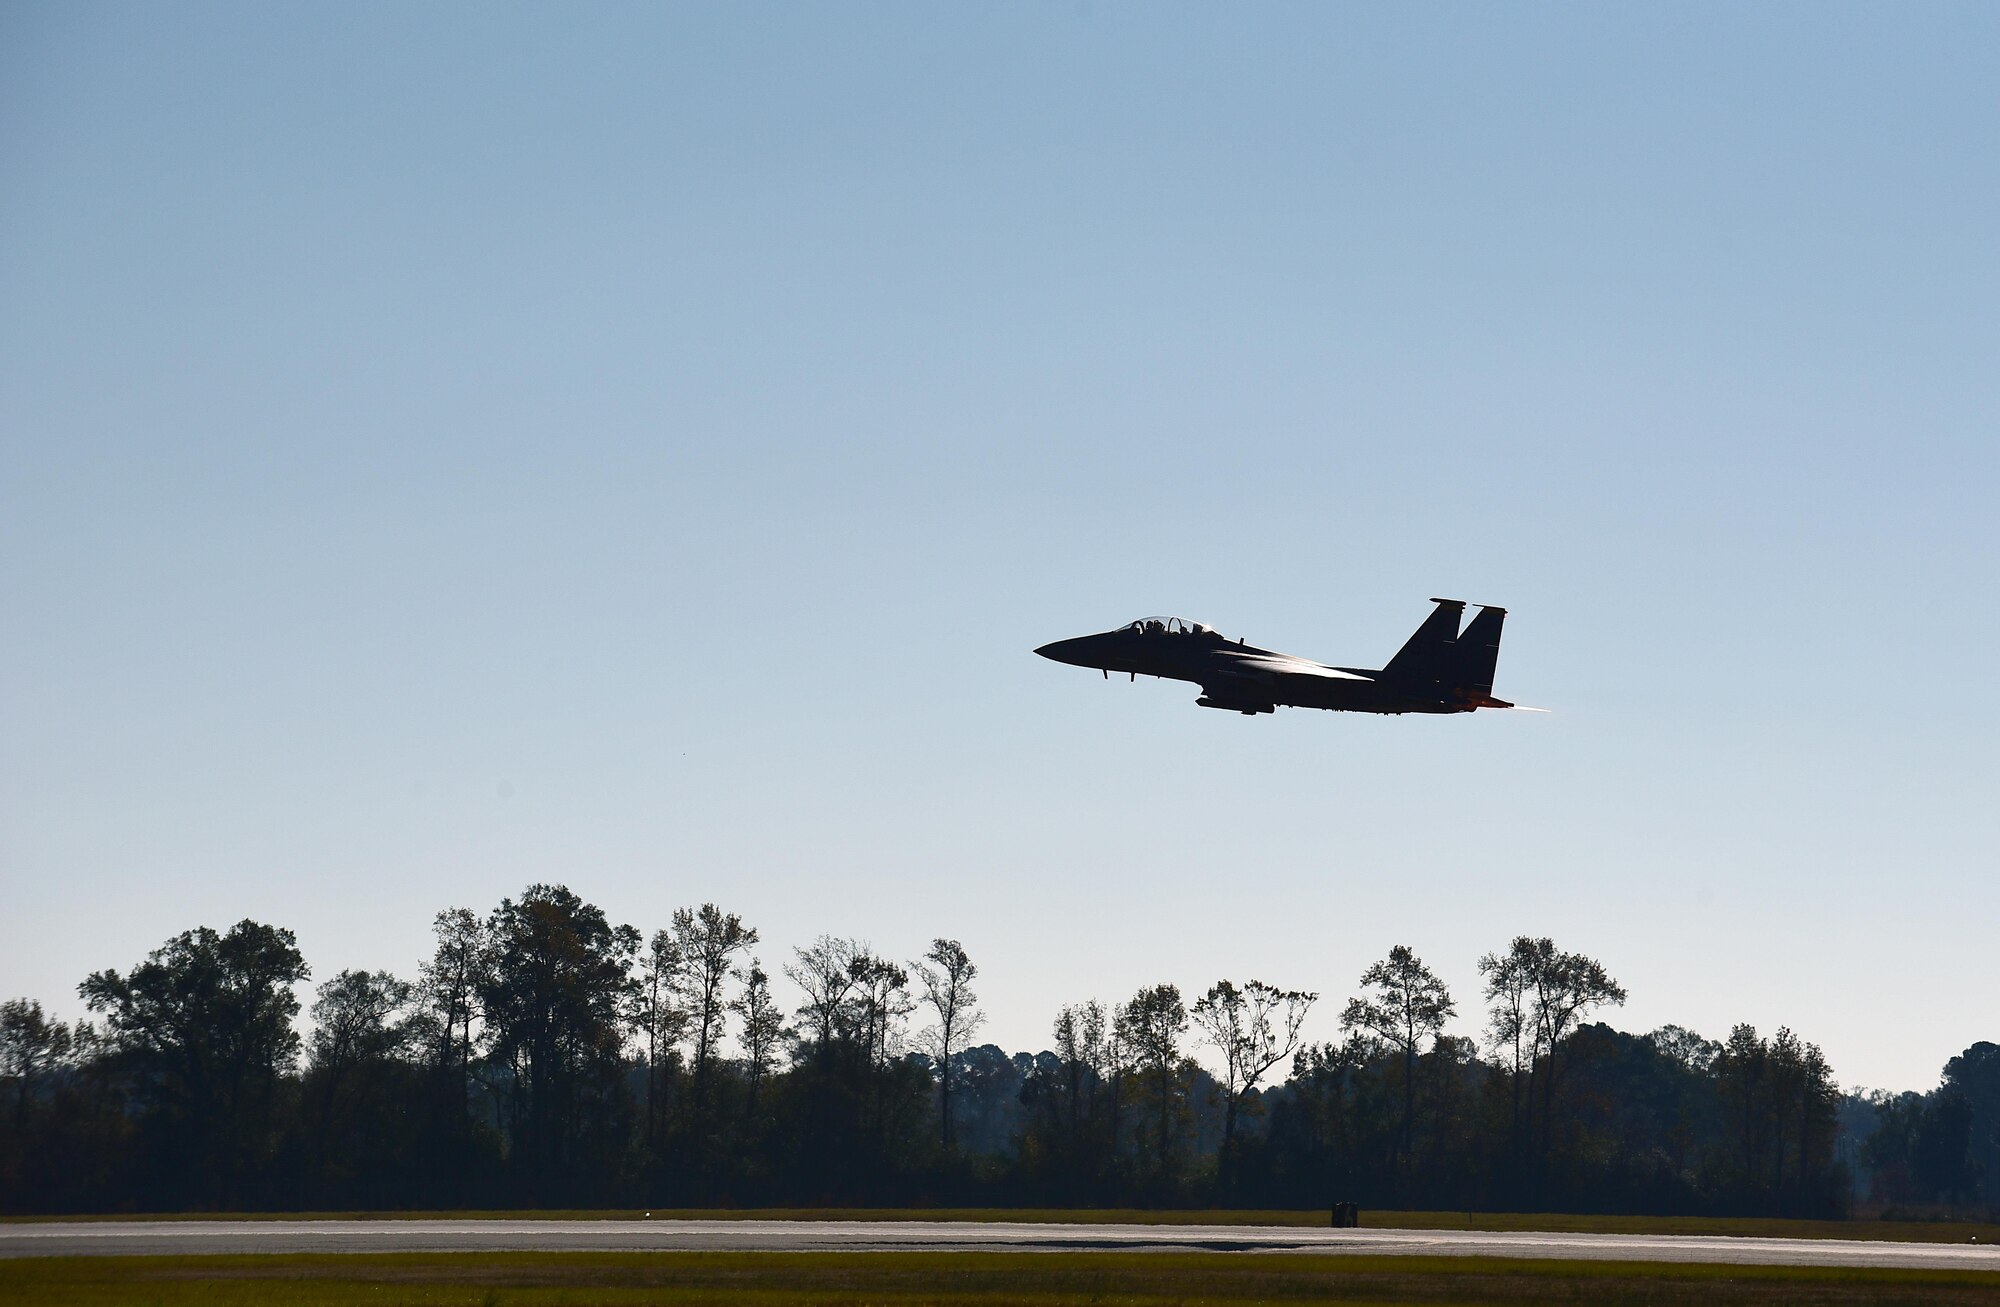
column 1440, row 669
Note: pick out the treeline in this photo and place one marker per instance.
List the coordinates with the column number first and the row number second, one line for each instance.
column 1934, row 1150
column 545, row 1056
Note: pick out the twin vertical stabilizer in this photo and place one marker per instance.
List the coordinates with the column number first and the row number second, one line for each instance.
column 1460, row 664
column 1426, row 656
column 1476, row 653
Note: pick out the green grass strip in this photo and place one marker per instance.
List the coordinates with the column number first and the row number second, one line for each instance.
column 1054, row 1279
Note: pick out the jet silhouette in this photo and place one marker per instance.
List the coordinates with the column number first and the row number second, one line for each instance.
column 1439, row 669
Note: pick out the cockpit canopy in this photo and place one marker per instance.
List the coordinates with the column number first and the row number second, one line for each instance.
column 1169, row 626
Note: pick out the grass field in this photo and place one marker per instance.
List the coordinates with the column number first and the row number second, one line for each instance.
column 1041, row 1279
column 1552, row 1222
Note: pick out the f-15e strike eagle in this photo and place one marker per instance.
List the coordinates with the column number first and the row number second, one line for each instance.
column 1440, row 669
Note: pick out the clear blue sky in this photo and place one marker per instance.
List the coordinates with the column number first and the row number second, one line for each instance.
column 444, row 448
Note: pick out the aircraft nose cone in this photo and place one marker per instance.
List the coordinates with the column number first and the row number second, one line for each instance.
column 1061, row 651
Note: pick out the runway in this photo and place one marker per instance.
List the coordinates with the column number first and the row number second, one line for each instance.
column 154, row 1238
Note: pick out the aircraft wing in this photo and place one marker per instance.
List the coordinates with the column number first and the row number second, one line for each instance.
column 1277, row 664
